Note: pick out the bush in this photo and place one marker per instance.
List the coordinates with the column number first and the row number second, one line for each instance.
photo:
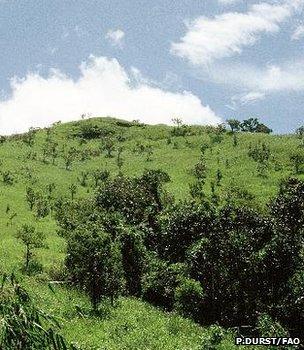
column 94, row 263
column 214, row 338
column 267, row 327
column 160, row 281
column 181, row 226
column 188, row 298
column 133, row 259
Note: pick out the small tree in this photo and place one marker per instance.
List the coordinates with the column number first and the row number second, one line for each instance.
column 32, row 239
column 30, row 197
column 300, row 132
column 50, row 189
column 42, row 206
column 83, row 178
column 119, row 158
column 100, row 175
column 8, row 177
column 149, row 152
column 219, row 177
column 297, row 160
column 73, row 190
column 234, row 124
column 54, row 151
column 29, row 137
column 177, row 121
column 235, row 140
column 109, row 147
column 69, row 157
column 94, row 263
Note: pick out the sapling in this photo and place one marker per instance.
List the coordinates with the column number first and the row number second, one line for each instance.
column 32, row 239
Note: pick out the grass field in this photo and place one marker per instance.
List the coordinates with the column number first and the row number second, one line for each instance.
column 132, row 324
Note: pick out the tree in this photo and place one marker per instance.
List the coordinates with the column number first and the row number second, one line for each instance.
column 83, row 178
column 32, row 239
column 119, row 158
column 73, row 190
column 54, row 151
column 8, row 177
column 109, row 146
column 177, row 121
column 234, row 124
column 100, row 175
column 297, row 160
column 29, row 137
column 219, row 177
column 300, row 132
column 253, row 125
column 69, row 157
column 42, row 205
column 50, row 189
column 94, row 263
column 133, row 259
column 30, row 197
column 149, row 152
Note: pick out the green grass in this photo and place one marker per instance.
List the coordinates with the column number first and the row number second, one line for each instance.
column 132, row 324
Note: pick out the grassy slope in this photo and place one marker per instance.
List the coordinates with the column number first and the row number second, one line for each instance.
column 133, row 325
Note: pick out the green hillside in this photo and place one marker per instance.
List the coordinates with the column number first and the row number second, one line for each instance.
column 241, row 168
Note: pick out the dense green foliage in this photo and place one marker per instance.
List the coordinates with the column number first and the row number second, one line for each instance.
column 188, row 218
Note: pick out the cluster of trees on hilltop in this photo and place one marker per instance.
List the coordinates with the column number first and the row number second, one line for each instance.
column 229, row 265
column 248, row 125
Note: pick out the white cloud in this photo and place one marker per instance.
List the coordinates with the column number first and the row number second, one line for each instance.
column 228, row 2
column 298, row 33
column 249, row 98
column 245, row 99
column 103, row 88
column 208, row 39
column 272, row 78
column 115, row 37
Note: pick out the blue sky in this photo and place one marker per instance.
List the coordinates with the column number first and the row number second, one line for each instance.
column 203, row 61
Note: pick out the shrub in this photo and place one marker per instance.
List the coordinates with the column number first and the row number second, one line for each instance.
column 133, row 259
column 297, row 160
column 267, row 327
column 214, row 338
column 138, row 199
column 188, row 298
column 160, row 281
column 94, row 263
column 7, row 177
column 182, row 225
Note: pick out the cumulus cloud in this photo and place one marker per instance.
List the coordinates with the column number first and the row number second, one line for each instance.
column 298, row 33
column 224, row 35
column 103, row 88
column 115, row 37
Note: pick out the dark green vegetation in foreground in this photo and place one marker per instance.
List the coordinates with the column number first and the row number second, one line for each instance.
column 151, row 233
